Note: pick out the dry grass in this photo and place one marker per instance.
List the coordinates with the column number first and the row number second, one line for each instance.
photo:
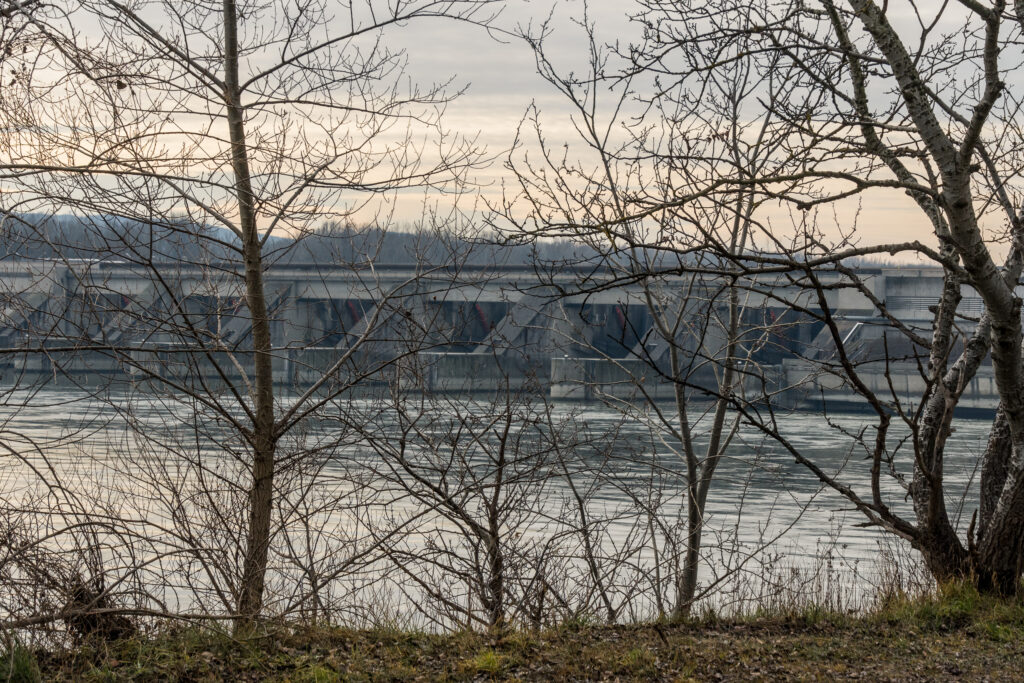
column 955, row 634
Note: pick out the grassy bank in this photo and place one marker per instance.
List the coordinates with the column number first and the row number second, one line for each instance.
column 956, row 635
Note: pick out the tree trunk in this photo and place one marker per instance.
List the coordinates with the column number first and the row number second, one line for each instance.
column 999, row 557
column 494, row 591
column 994, row 468
column 261, row 491
column 686, row 586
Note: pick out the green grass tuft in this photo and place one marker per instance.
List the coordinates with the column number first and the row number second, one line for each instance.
column 317, row 674
column 18, row 665
column 486, row 662
column 955, row 605
column 640, row 662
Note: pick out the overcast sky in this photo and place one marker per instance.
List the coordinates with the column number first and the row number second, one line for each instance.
column 499, row 71
column 501, row 82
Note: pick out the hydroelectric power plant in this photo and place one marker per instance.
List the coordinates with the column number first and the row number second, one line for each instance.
column 571, row 333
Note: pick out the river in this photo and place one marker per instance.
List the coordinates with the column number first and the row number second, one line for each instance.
column 360, row 530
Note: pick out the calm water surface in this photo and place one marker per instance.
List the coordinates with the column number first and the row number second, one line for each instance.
column 760, row 498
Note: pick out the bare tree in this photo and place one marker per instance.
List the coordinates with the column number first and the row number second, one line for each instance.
column 194, row 144
column 867, row 98
column 659, row 194
column 932, row 115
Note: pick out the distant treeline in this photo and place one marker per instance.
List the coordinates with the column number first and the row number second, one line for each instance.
column 36, row 236
column 95, row 237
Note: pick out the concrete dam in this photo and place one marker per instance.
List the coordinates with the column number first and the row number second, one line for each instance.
column 569, row 333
